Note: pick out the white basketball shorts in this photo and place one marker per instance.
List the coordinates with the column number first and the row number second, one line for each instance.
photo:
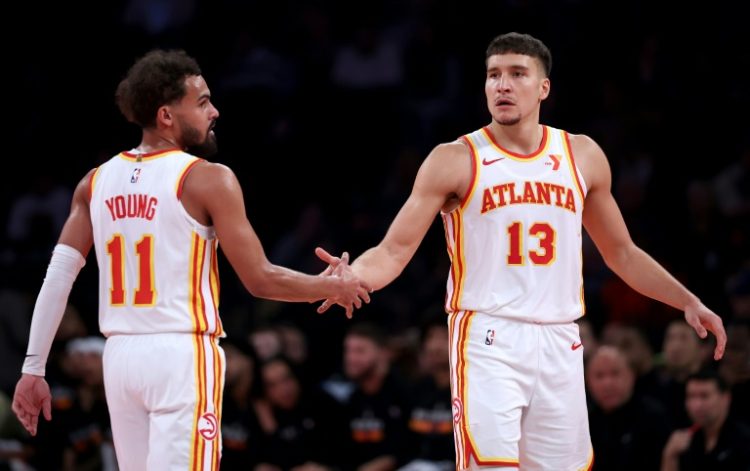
column 518, row 394
column 164, row 394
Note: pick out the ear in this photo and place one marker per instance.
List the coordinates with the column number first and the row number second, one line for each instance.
column 164, row 116
column 545, row 87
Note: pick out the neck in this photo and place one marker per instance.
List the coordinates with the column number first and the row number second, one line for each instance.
column 155, row 140
column 523, row 137
column 241, row 391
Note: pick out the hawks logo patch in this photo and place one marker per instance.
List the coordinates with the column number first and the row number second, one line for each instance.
column 208, row 426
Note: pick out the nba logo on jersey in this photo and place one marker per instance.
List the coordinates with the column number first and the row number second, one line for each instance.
column 135, row 175
column 490, row 337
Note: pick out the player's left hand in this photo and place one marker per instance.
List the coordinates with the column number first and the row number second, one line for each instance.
column 703, row 320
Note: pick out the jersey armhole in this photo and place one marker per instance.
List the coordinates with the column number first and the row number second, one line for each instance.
column 183, row 174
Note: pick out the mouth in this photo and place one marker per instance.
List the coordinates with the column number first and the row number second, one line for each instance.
column 503, row 102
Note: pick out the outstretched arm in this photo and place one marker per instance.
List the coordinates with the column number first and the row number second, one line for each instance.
column 214, row 188
column 442, row 180
column 604, row 223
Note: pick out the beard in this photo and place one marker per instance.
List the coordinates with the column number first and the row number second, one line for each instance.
column 198, row 145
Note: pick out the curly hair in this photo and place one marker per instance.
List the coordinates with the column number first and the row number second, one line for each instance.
column 517, row 43
column 156, row 79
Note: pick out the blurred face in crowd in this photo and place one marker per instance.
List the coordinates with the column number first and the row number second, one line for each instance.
column 636, row 348
column 361, row 357
column 609, row 378
column 281, row 386
column 706, row 404
column 682, row 349
column 434, row 356
column 238, row 366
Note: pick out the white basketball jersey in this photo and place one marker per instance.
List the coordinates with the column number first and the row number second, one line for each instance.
column 515, row 241
column 157, row 265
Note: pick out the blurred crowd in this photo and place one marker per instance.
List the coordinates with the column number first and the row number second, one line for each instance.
column 326, row 114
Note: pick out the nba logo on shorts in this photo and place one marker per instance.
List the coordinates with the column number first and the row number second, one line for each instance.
column 135, row 175
column 208, row 426
column 490, row 337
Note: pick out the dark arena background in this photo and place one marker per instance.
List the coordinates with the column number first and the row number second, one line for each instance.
column 327, row 110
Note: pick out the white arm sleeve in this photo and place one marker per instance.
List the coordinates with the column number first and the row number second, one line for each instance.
column 50, row 305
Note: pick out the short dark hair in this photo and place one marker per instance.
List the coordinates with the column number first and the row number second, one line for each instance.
column 709, row 375
column 518, row 43
column 154, row 80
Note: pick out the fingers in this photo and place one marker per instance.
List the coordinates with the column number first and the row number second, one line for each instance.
column 324, row 306
column 364, row 294
column 345, row 258
column 47, row 408
column 26, row 413
column 721, row 338
column 695, row 323
column 326, row 257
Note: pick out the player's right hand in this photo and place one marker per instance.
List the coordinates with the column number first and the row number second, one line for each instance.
column 347, row 299
column 32, row 396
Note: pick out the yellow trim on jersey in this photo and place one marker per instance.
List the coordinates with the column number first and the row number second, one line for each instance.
column 198, row 448
column 213, row 280
column 572, row 167
column 94, row 176
column 218, row 387
column 181, row 175
column 474, row 172
column 459, row 259
column 195, row 296
column 546, row 131
column 146, row 158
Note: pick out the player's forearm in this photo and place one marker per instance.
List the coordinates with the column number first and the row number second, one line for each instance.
column 282, row 284
column 378, row 267
column 645, row 275
column 50, row 305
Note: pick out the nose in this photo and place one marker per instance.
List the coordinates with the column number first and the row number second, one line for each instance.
column 214, row 112
column 503, row 83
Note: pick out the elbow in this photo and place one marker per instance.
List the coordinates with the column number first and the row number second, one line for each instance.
column 260, row 283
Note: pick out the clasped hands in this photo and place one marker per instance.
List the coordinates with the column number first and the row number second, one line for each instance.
column 354, row 291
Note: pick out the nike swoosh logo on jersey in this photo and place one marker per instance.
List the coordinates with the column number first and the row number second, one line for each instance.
column 490, row 162
column 576, row 346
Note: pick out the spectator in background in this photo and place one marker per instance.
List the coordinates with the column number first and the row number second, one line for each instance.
column 431, row 418
column 628, row 431
column 735, row 369
column 682, row 356
column 632, row 342
column 303, row 429
column 240, row 429
column 715, row 441
column 376, row 410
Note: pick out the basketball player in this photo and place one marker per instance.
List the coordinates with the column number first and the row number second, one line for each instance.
column 513, row 196
column 155, row 216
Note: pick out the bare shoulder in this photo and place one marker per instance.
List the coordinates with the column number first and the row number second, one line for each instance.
column 209, row 190
column 84, row 187
column 590, row 159
column 209, row 177
column 451, row 153
column 447, row 171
